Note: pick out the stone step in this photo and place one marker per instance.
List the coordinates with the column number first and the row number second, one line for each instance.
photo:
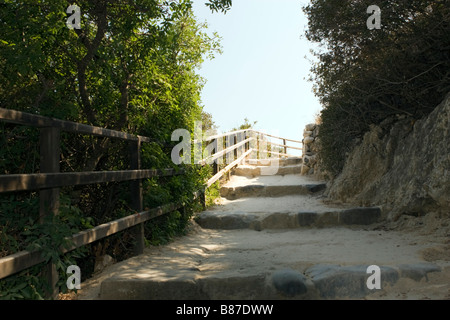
column 275, row 162
column 232, row 193
column 320, row 282
column 229, row 220
column 254, row 171
column 270, row 186
column 329, row 263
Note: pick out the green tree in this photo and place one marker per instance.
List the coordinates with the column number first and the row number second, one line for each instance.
column 131, row 67
column 208, row 123
column 246, row 125
column 363, row 76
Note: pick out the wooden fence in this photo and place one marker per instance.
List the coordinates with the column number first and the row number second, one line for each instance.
column 238, row 145
column 233, row 147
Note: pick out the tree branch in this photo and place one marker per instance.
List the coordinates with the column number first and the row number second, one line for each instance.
column 92, row 48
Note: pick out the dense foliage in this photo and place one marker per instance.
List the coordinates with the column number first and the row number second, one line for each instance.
column 130, row 67
column 364, row 76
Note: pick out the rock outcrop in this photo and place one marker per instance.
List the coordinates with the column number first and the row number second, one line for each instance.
column 402, row 165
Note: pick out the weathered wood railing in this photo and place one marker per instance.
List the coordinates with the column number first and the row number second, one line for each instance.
column 263, row 137
column 50, row 179
column 243, row 143
column 235, row 147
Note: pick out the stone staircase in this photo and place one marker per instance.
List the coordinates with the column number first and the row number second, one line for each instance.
column 281, row 199
column 271, row 237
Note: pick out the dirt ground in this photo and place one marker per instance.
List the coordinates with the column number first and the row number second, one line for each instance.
column 434, row 229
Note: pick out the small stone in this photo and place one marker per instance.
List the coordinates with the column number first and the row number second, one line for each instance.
column 305, row 169
column 309, row 160
column 306, row 219
column 308, row 140
column 307, row 133
column 417, row 271
column 289, row 282
column 316, row 187
column 334, row 281
column 361, row 216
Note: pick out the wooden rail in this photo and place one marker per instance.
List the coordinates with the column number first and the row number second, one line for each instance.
column 22, row 260
column 284, row 145
column 258, row 136
column 34, row 120
column 243, row 143
column 238, row 145
column 26, row 182
column 219, row 174
column 50, row 180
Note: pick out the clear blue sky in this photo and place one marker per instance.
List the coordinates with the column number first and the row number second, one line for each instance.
column 262, row 73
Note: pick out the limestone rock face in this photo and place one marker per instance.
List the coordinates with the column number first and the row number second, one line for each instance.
column 403, row 166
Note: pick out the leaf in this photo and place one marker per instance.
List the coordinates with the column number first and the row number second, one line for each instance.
column 19, row 287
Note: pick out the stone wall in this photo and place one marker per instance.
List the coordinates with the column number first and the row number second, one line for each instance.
column 310, row 149
column 402, row 165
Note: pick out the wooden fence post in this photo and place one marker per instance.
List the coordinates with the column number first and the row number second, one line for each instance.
column 285, row 147
column 235, row 141
column 257, row 146
column 49, row 198
column 136, row 195
column 215, row 167
column 247, row 144
column 229, row 140
column 203, row 199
